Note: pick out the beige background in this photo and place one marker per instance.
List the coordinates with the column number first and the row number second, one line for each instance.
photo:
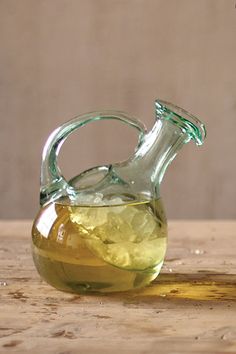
column 63, row 58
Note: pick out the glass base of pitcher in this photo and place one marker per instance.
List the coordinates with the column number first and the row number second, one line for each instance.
column 82, row 279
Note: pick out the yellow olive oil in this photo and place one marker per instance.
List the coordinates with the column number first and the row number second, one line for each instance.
column 100, row 248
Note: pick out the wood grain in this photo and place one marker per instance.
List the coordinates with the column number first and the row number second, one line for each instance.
column 190, row 308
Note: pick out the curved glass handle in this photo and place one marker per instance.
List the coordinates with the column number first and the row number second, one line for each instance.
column 52, row 179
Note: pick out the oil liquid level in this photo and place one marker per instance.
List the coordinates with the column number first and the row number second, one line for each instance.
column 100, row 248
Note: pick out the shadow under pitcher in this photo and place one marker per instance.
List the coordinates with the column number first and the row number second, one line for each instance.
column 105, row 230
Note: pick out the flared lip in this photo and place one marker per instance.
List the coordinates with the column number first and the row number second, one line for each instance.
column 188, row 123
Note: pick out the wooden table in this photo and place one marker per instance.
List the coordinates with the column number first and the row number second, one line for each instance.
column 190, row 308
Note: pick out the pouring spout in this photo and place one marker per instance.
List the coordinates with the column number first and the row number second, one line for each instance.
column 178, row 127
column 188, row 123
column 174, row 127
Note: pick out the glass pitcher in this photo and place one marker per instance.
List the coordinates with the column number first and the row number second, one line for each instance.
column 105, row 230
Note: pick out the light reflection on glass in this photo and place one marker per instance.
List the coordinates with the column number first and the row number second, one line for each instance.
column 46, row 220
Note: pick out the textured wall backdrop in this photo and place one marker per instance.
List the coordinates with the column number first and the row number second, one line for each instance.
column 60, row 58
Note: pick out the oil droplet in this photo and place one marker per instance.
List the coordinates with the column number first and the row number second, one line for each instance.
column 3, row 283
column 197, row 251
column 174, row 291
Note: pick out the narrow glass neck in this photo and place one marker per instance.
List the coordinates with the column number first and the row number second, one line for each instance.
column 160, row 147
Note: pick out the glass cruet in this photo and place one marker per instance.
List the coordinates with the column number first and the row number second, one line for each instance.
column 105, row 230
